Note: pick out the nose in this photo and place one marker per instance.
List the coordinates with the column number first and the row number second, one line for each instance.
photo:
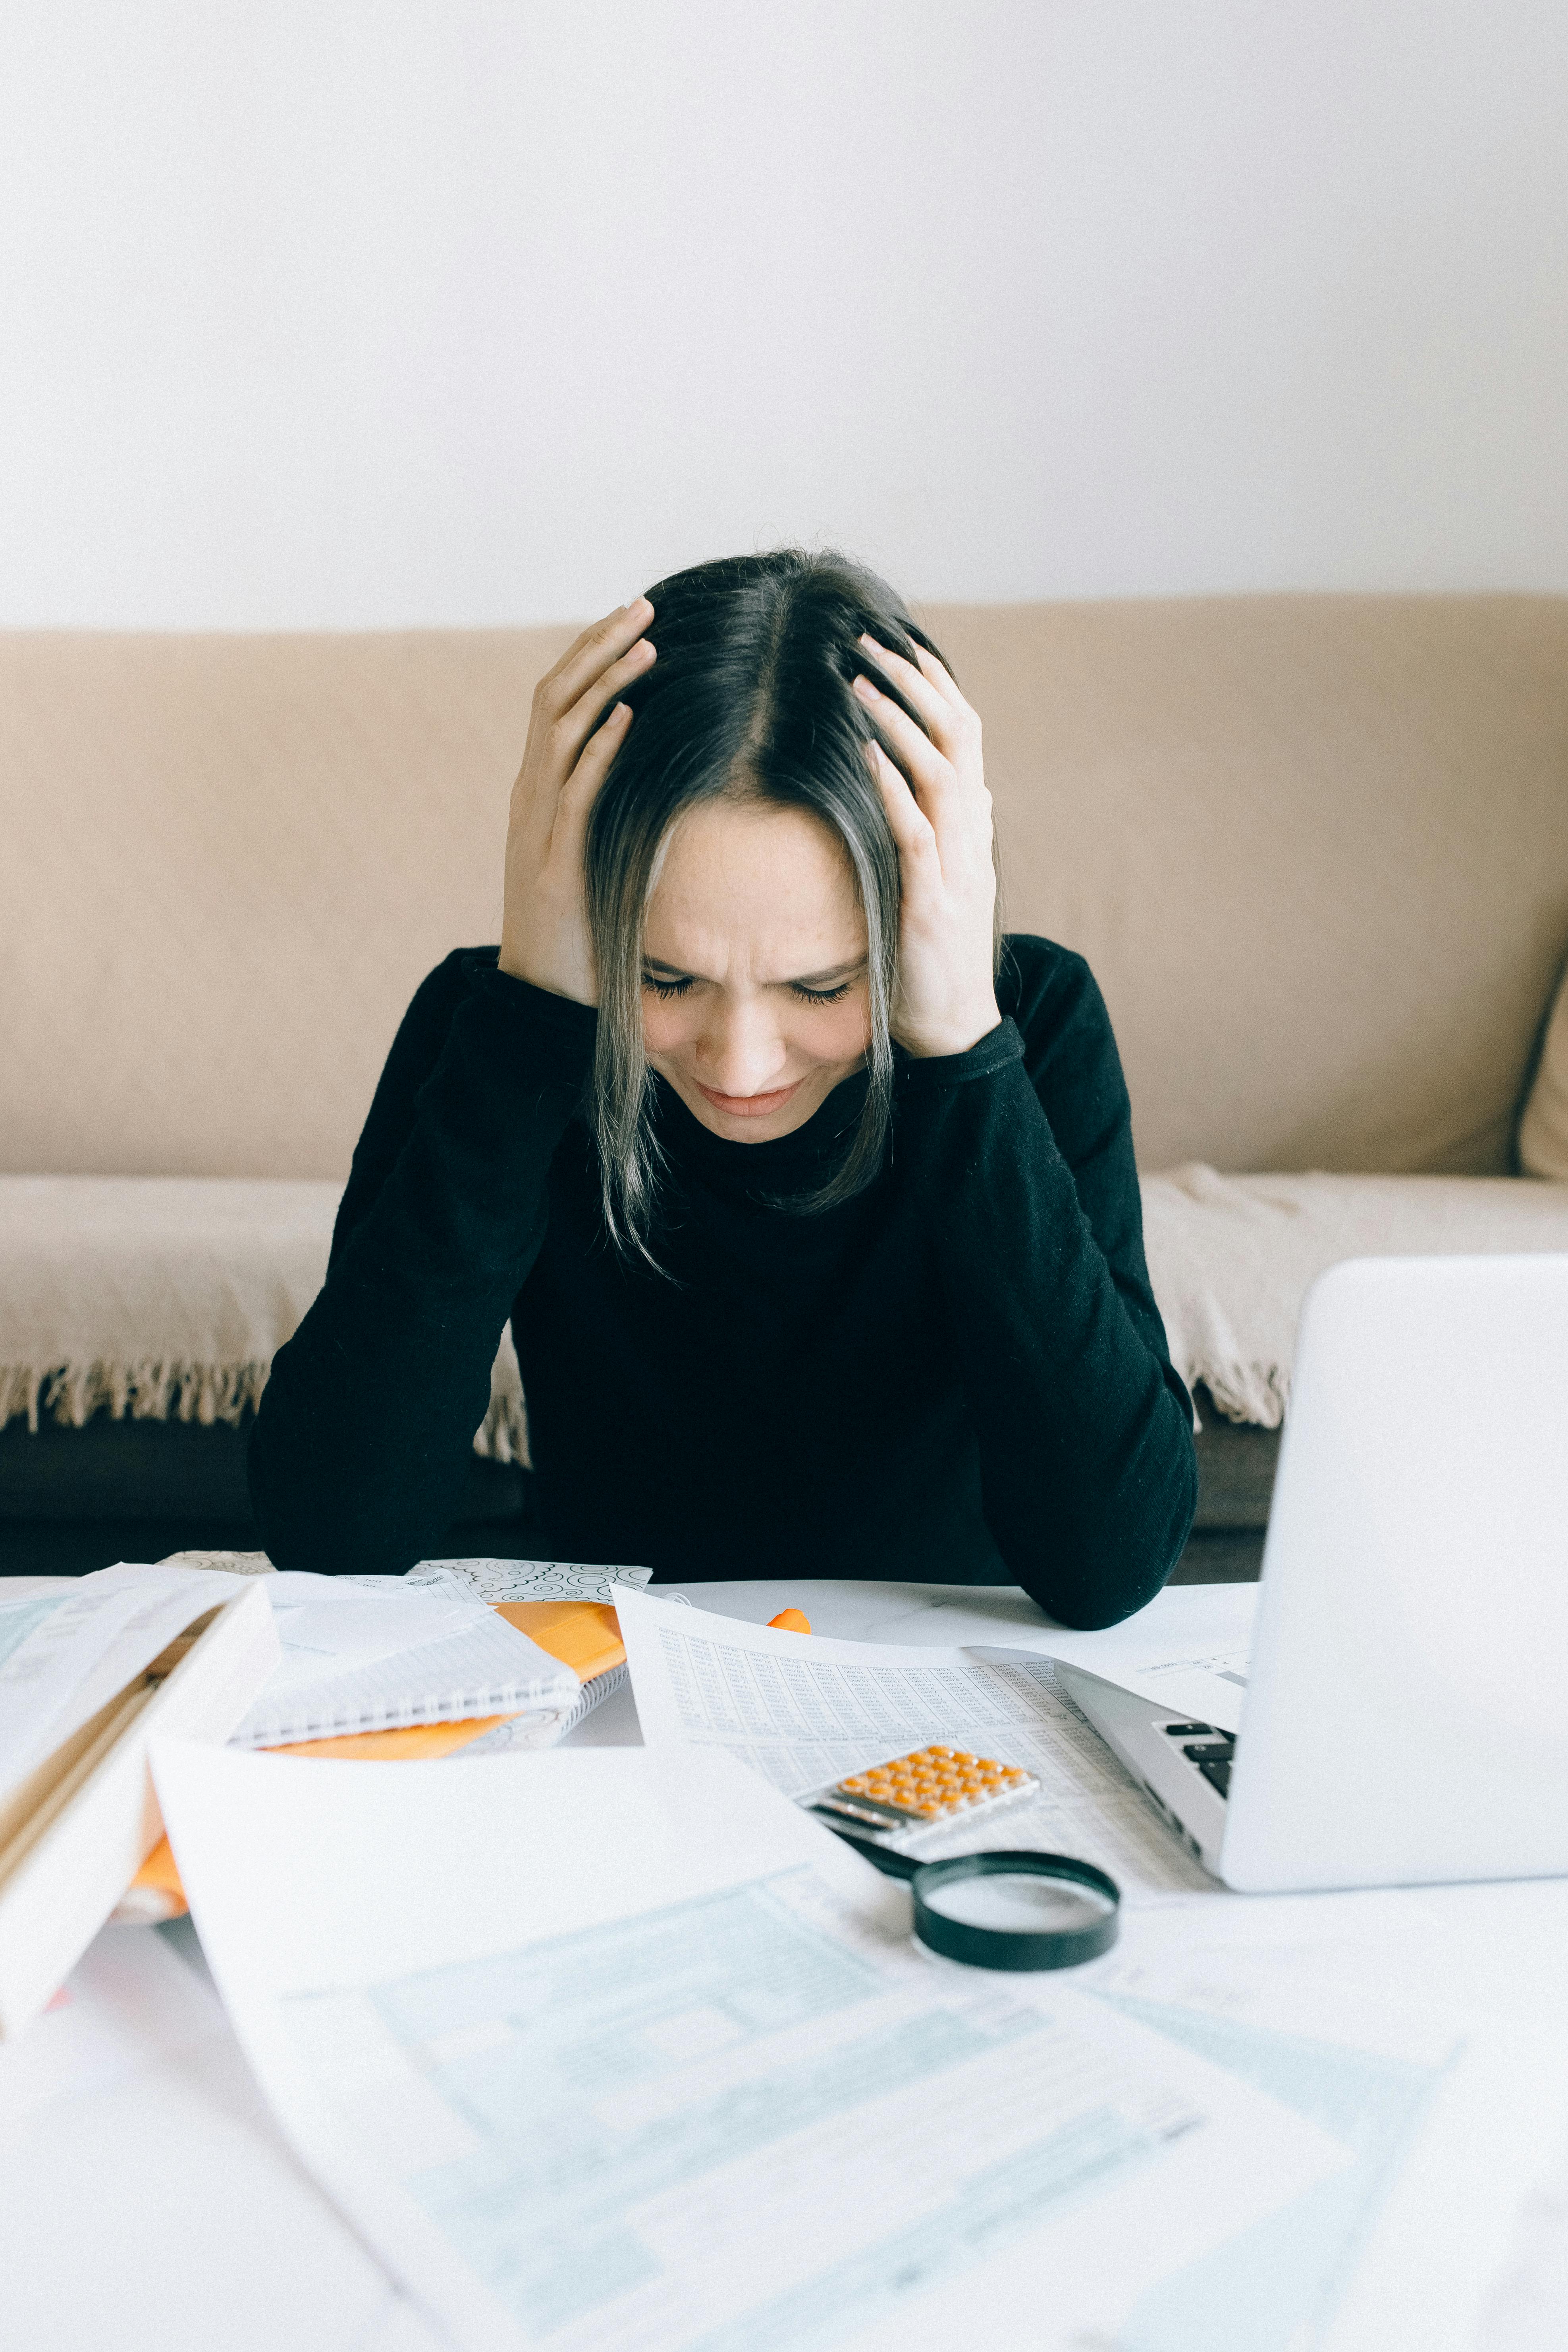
column 739, row 1049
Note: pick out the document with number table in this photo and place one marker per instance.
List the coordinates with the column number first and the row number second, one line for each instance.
column 802, row 1710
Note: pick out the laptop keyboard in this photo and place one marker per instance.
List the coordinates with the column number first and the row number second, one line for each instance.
column 1212, row 1752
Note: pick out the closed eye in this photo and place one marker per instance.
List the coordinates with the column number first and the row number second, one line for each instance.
column 669, row 987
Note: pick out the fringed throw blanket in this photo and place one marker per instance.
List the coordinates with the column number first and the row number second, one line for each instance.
column 1233, row 1257
column 167, row 1297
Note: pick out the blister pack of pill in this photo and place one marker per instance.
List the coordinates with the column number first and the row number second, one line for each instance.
column 931, row 1786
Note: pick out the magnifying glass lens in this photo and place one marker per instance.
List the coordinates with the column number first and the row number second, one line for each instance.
column 1011, row 1903
column 1018, row 1910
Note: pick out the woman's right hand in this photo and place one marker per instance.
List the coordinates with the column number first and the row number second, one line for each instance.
column 545, row 931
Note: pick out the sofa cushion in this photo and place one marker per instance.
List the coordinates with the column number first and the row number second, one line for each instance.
column 1543, row 1129
column 166, row 1297
column 1315, row 849
column 1232, row 1257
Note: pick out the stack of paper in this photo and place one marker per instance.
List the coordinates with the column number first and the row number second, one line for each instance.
column 89, row 1671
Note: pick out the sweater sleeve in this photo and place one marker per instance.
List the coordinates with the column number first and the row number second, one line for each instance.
column 1023, row 1147
column 361, row 1447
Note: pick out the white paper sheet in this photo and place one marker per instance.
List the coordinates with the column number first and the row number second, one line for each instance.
column 326, row 1624
column 64, row 1653
column 147, row 2199
column 1193, row 1659
column 1210, row 1690
column 1527, row 2307
column 800, row 1710
column 675, row 2075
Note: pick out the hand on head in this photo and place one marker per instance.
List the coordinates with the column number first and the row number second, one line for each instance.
column 571, row 744
column 940, row 811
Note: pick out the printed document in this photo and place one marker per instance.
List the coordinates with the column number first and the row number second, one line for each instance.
column 802, row 1710
column 621, row 2049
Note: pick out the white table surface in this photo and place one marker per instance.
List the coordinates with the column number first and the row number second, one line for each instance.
column 147, row 2198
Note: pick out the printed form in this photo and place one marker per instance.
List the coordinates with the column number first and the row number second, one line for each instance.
column 675, row 2078
column 802, row 1710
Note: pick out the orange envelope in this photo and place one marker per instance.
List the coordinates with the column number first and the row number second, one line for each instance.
column 583, row 1634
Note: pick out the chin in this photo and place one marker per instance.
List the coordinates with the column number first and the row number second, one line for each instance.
column 805, row 1096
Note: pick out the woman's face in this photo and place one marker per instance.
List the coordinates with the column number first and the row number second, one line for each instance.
column 754, row 987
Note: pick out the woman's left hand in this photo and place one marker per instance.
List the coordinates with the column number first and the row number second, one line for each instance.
column 940, row 811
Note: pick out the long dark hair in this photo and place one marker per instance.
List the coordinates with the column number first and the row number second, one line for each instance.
column 750, row 698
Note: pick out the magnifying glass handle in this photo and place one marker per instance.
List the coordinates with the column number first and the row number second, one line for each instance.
column 895, row 1865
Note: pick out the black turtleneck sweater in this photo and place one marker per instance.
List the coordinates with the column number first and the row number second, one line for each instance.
column 959, row 1376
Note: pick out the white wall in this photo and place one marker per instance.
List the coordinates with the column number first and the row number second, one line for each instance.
column 374, row 312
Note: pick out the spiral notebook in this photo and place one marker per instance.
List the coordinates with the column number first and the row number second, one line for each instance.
column 358, row 1660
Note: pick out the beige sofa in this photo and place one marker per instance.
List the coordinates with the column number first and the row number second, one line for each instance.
column 1315, row 848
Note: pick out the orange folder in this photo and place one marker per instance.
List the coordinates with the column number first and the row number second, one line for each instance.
column 583, row 1634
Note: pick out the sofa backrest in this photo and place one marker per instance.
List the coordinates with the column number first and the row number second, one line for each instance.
column 1315, row 848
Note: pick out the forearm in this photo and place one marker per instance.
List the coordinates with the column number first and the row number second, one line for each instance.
column 360, row 1452
column 1089, row 1478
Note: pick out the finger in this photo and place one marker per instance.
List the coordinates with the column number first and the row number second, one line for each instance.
column 949, row 719
column 583, row 638
column 924, row 763
column 580, row 640
column 590, row 655
column 942, row 680
column 571, row 730
column 916, row 688
column 911, row 829
column 581, row 789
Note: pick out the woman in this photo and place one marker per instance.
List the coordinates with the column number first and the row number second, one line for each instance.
column 813, row 1211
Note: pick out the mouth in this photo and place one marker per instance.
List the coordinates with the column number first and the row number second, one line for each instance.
column 748, row 1106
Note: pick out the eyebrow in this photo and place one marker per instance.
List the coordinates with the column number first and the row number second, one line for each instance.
column 800, row 980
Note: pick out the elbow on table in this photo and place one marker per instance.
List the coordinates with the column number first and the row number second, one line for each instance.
column 1106, row 1571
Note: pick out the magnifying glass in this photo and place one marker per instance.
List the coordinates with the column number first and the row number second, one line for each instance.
column 1001, row 1910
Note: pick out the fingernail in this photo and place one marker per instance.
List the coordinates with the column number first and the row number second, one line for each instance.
column 622, row 710
column 864, row 688
column 642, row 605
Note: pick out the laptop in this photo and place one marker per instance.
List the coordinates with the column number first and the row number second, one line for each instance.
column 1406, row 1713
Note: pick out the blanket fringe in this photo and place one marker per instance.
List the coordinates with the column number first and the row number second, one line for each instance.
column 160, row 1389
column 1255, row 1392
column 154, row 1389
